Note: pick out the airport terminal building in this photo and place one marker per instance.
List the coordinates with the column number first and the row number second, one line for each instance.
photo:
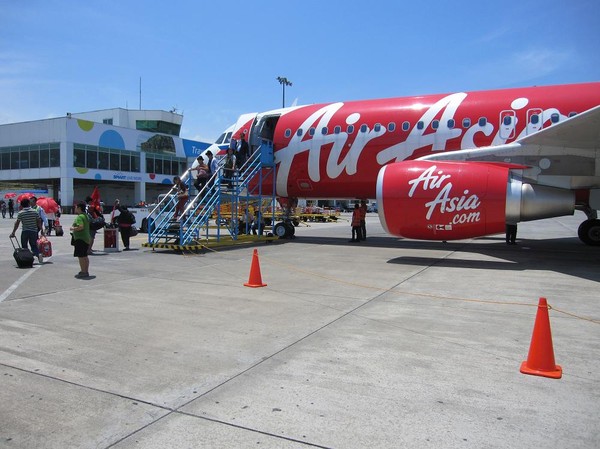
column 129, row 154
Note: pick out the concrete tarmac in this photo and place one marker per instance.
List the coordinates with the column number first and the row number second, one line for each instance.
column 387, row 343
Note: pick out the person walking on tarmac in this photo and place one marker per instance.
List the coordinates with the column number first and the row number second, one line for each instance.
column 511, row 232
column 93, row 210
column 39, row 210
column 258, row 224
column 363, row 220
column 356, row 231
column 32, row 223
column 124, row 220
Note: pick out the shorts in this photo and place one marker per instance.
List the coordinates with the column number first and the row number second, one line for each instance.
column 80, row 249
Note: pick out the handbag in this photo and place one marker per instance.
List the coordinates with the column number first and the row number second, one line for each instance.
column 96, row 223
column 134, row 231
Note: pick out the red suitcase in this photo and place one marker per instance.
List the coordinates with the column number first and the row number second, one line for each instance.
column 45, row 246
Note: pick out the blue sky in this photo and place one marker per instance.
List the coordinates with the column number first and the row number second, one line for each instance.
column 215, row 60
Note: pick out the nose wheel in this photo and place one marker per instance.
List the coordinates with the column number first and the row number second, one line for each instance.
column 284, row 230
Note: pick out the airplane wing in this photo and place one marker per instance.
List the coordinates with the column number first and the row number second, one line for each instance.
column 565, row 155
column 581, row 131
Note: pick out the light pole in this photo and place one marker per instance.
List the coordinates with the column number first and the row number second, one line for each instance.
column 284, row 82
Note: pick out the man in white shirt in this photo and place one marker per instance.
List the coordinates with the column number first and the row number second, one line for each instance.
column 40, row 211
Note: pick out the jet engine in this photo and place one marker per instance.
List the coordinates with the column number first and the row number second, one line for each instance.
column 435, row 200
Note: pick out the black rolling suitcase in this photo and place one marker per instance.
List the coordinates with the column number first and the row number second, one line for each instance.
column 23, row 256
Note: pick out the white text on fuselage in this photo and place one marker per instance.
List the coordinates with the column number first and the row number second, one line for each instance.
column 418, row 137
column 465, row 205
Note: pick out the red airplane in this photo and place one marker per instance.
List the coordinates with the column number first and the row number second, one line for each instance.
column 444, row 167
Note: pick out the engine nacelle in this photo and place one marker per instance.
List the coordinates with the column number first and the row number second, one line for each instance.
column 456, row 200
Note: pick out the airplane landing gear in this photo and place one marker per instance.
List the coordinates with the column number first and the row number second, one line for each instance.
column 589, row 232
column 284, row 230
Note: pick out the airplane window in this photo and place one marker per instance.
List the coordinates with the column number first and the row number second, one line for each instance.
column 219, row 141
column 466, row 123
column 350, row 129
column 391, row 127
column 420, row 125
column 377, row 127
column 311, row 131
column 228, row 137
column 299, row 132
column 337, row 129
column 363, row 128
column 555, row 118
column 482, row 121
column 435, row 124
column 405, row 126
column 288, row 132
column 507, row 120
column 572, row 114
column 451, row 123
column 535, row 119
column 324, row 130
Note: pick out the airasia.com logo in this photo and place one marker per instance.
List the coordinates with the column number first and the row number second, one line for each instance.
column 460, row 205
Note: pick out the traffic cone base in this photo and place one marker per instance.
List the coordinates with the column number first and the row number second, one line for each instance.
column 255, row 279
column 556, row 373
column 540, row 360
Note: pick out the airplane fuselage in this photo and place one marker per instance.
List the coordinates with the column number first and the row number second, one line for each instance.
column 336, row 150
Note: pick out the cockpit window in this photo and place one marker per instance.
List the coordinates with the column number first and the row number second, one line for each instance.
column 221, row 138
column 228, row 137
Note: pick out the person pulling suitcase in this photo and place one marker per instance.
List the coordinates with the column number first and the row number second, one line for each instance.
column 32, row 223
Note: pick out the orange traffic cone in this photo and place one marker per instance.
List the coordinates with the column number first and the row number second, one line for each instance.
column 255, row 279
column 540, row 361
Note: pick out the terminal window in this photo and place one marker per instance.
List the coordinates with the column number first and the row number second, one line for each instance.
column 158, row 126
column 165, row 165
column 89, row 156
column 30, row 156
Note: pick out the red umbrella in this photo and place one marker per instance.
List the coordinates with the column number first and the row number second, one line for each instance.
column 23, row 196
column 9, row 195
column 48, row 204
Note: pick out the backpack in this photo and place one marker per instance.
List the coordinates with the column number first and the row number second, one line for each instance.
column 127, row 217
column 96, row 220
